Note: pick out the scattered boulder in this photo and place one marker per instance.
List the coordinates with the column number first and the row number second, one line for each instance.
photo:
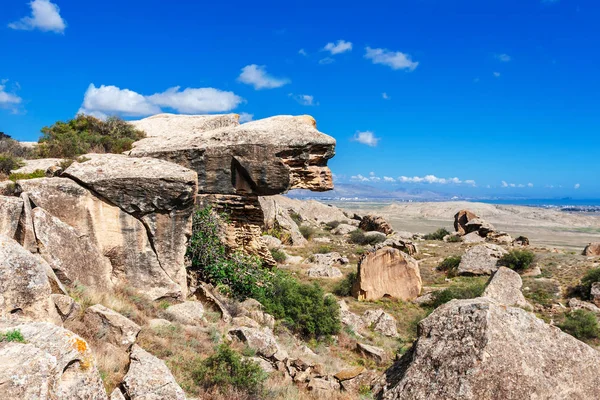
column 149, row 378
column 343, row 229
column 324, row 272
column 349, row 318
column 500, row 237
column 381, row 322
column 478, row 349
column 387, row 272
column 481, row 260
column 272, row 242
column 461, row 219
column 576, row 304
column 472, row 237
column 358, row 383
column 348, row 374
column 110, row 326
column 375, row 223
column 187, row 313
column 24, row 285
column 323, row 387
column 206, row 294
column 278, row 218
column 262, row 341
column 67, row 308
column 399, row 243
column 10, row 213
column 327, row 259
column 505, row 288
column 375, row 353
column 521, row 241
column 592, row 250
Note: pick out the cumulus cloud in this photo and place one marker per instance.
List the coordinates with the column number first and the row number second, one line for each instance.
column 497, row 74
column 45, row 16
column 302, row 52
column 304, row 99
column 257, row 76
column 435, row 179
column 341, row 46
column 326, row 60
column 503, row 57
column 111, row 100
column 9, row 100
column 359, row 178
column 385, row 96
column 246, row 117
column 577, row 186
column 366, row 137
column 393, row 59
column 505, row 184
column 389, row 179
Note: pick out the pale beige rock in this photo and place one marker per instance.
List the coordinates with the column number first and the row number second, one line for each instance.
column 381, row 322
column 187, row 313
column 323, row 387
column 277, row 217
column 67, row 308
column 24, row 286
column 592, row 250
column 387, row 272
column 149, row 378
column 376, row 223
column 40, row 164
column 206, row 294
column 110, row 326
column 481, row 260
column 595, row 293
column 399, row 243
column 478, row 349
column 324, row 272
column 343, row 229
column 272, row 242
column 576, row 304
column 117, row 395
column 10, row 213
column 262, row 341
column 375, row 353
column 26, row 234
column 62, row 359
column 7, row 188
column 72, row 256
column 472, row 237
column 505, row 288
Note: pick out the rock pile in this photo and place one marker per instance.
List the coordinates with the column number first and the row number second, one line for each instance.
column 474, row 229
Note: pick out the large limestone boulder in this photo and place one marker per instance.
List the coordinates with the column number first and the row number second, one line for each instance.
column 72, row 256
column 387, row 272
column 149, row 378
column 260, row 340
column 592, row 250
column 187, row 313
column 40, row 164
column 54, row 363
column 24, row 285
column 466, row 222
column 110, row 326
column 479, row 349
column 10, row 213
column 481, row 260
column 402, row 244
column 119, row 236
column 375, row 223
column 505, row 288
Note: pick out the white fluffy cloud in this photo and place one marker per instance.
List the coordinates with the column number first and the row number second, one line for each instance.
column 366, row 137
column 385, row 96
column 257, row 76
column 246, row 117
column 45, row 16
column 393, row 59
column 111, row 100
column 505, row 184
column 503, row 57
column 435, row 179
column 340, row 47
column 497, row 74
column 304, row 99
column 7, row 99
column 577, row 186
column 302, row 52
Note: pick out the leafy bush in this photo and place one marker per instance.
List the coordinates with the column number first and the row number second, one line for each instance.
column 9, row 162
column 437, row 235
column 518, row 260
column 226, row 370
column 38, row 173
column 323, row 249
column 87, row 134
column 332, row 224
column 454, row 239
column 344, row 287
column 9, row 146
column 297, row 218
column 450, row 265
column 582, row 324
column 278, row 255
column 468, row 290
column 12, row 336
column 307, row 231
column 590, row 277
column 359, row 237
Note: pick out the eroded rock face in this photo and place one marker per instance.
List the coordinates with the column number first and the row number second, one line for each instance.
column 260, row 340
column 110, row 326
column 466, row 222
column 54, row 364
column 24, row 286
column 592, row 250
column 399, row 243
column 478, row 349
column 481, row 260
column 10, row 213
column 376, row 223
column 505, row 288
column 387, row 272
column 277, row 217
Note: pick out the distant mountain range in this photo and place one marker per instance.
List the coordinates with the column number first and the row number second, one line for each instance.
column 344, row 191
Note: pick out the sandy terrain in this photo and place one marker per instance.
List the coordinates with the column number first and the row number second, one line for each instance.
column 544, row 227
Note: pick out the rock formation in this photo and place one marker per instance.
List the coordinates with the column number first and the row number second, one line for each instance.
column 375, row 223
column 505, row 288
column 481, row 260
column 592, row 250
column 387, row 272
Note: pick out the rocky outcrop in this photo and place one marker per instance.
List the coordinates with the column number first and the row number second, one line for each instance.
column 375, row 223
column 399, row 243
column 53, row 363
column 505, row 288
column 375, row 353
column 41, row 164
column 323, row 271
column 592, row 250
column 10, row 213
column 466, row 222
column 110, row 326
column 277, row 219
column 478, row 349
column 24, row 285
column 260, row 340
column 149, row 378
column 481, row 260
column 187, row 313
column 387, row 272
column 381, row 322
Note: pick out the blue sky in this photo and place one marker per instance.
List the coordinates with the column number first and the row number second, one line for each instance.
column 500, row 92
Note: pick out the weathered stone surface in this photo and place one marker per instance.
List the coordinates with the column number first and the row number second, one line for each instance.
column 149, row 378
column 478, row 349
column 67, row 307
column 343, row 229
column 110, row 326
column 327, row 259
column 264, row 157
column 72, row 256
column 347, row 374
column 254, row 310
column 472, row 237
column 117, row 395
column 576, row 304
column 357, row 384
column 376, row 223
column 399, row 243
column 349, row 318
column 272, row 242
column 323, row 387
column 206, row 294
column 595, row 293
column 387, row 272
column 7, row 188
column 262, row 341
column 187, row 313
column 505, row 288
column 324, row 272
column 481, row 260
column 466, row 222
column 41, row 164
column 592, row 250
column 375, row 353
column 277, row 217
column 119, row 236
column 381, row 322
column 499, row 237
column 10, row 213
column 25, row 233
column 54, row 364
column 24, row 286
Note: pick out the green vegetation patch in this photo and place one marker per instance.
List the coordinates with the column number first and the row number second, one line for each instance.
column 38, row 173
column 359, row 237
column 518, row 260
column 437, row 235
column 450, row 265
column 12, row 336
column 469, row 288
column 582, row 324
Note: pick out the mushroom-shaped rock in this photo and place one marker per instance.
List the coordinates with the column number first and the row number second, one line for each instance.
column 479, row 349
column 387, row 272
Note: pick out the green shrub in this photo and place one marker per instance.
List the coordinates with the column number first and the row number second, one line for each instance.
column 590, row 277
column 226, row 370
column 582, row 324
column 297, row 218
column 437, row 235
column 87, row 134
column 9, row 146
column 450, row 265
column 9, row 162
column 454, row 239
column 323, row 249
column 307, row 231
column 359, row 237
column 12, row 336
column 278, row 255
column 332, row 224
column 344, row 287
column 38, row 173
column 468, row 290
column 518, row 260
